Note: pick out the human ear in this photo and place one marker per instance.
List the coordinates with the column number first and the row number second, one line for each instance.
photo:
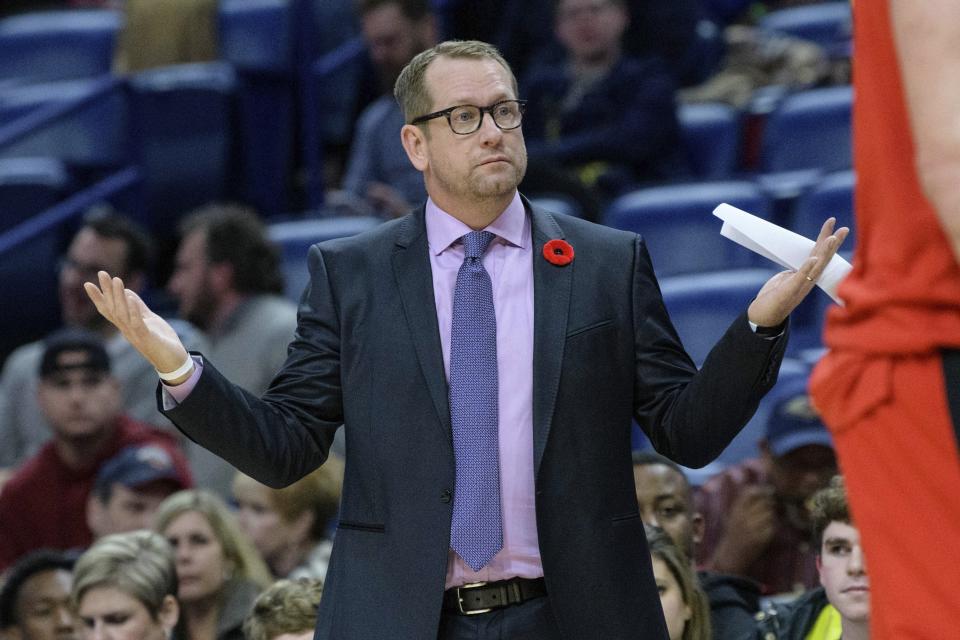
column 169, row 613
column 414, row 141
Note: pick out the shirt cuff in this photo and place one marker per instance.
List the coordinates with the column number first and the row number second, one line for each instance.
column 174, row 395
column 768, row 333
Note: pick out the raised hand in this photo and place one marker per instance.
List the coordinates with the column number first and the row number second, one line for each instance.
column 149, row 334
column 783, row 292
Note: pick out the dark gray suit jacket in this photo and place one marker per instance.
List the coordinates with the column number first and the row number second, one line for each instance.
column 367, row 354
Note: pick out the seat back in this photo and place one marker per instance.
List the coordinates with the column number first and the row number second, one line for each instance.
column 829, row 24
column 711, row 137
column 680, row 231
column 182, row 119
column 29, row 186
column 809, row 130
column 832, row 196
column 257, row 35
column 58, row 45
column 87, row 124
column 296, row 237
column 702, row 306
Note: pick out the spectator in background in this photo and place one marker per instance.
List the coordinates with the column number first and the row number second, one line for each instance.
column 666, row 501
column 287, row 610
column 130, row 487
column 35, row 599
column 684, row 604
column 289, row 526
column 125, row 586
column 44, row 504
column 227, row 281
column 219, row 571
column 158, row 33
column 840, row 607
column 757, row 512
column 378, row 171
column 609, row 118
column 106, row 240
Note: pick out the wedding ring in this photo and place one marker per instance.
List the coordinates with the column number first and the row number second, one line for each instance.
column 808, row 278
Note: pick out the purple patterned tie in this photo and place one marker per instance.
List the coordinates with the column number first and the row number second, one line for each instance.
column 476, row 533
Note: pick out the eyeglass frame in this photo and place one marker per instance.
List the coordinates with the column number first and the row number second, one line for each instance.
column 521, row 105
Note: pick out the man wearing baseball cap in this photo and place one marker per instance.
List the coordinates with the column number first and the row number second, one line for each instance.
column 130, row 486
column 756, row 512
column 44, row 504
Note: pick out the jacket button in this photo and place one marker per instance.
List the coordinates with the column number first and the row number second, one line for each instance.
column 446, row 496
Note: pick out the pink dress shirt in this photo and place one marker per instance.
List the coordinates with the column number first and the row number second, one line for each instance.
column 509, row 262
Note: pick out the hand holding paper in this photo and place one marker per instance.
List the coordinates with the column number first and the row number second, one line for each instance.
column 810, row 263
column 786, row 248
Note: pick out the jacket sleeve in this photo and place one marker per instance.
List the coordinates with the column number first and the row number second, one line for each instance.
column 279, row 438
column 690, row 416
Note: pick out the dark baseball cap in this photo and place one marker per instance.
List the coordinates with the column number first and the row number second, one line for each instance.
column 139, row 465
column 56, row 347
column 793, row 422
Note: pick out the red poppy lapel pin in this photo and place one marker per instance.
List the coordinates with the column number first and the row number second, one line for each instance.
column 558, row 252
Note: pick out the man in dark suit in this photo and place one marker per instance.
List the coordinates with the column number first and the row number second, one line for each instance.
column 478, row 317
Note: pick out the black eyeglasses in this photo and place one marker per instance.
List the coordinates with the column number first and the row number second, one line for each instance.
column 467, row 118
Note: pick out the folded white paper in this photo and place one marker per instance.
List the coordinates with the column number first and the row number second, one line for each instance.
column 786, row 248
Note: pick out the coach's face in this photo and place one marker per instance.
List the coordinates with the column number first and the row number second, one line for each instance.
column 483, row 166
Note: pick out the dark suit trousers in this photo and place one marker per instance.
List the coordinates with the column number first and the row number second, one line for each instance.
column 531, row 620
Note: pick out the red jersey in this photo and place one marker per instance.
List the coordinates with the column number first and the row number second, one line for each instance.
column 903, row 295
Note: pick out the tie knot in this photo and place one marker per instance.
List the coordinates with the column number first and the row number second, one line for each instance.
column 475, row 243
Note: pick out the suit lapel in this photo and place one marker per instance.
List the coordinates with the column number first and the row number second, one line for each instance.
column 551, row 302
column 411, row 268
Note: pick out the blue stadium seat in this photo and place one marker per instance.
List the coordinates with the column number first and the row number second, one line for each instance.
column 832, row 196
column 259, row 38
column 181, row 122
column 807, row 135
column 557, row 203
column 809, row 130
column 711, row 136
column 829, row 24
column 91, row 130
column 702, row 306
column 29, row 186
column 28, row 273
column 296, row 237
column 257, row 35
column 57, row 45
column 677, row 223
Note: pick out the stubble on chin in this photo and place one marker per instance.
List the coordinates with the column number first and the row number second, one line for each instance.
column 501, row 184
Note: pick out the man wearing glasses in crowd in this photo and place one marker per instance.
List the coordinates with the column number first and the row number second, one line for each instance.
column 485, row 357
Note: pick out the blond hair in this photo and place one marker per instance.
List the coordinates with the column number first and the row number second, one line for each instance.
column 411, row 90
column 238, row 550
column 287, row 606
column 138, row 563
column 318, row 493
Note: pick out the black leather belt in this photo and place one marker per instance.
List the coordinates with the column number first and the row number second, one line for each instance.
column 482, row 597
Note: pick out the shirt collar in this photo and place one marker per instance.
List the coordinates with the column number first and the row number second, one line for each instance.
column 444, row 230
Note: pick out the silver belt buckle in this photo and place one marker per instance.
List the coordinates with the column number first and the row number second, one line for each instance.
column 471, row 585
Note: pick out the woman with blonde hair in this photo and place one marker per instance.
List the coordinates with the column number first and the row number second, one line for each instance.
column 219, row 570
column 289, row 526
column 685, row 605
column 125, row 586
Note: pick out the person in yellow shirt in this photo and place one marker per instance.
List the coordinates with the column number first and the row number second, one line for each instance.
column 840, row 608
